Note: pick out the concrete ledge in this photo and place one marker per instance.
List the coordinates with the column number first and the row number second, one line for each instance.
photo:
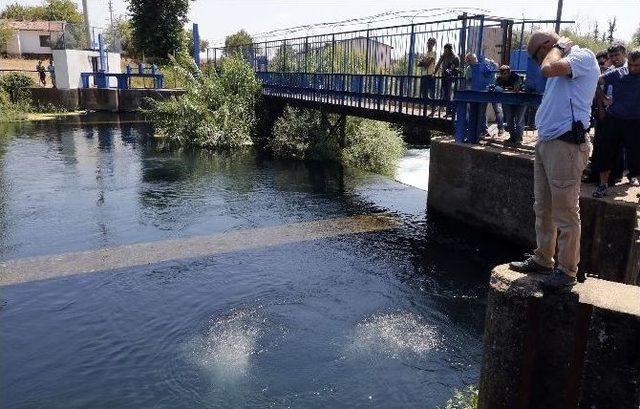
column 130, row 100
column 99, row 99
column 560, row 350
column 492, row 188
column 96, row 99
column 60, row 98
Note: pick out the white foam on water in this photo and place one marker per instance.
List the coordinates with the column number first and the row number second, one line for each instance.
column 395, row 335
column 225, row 350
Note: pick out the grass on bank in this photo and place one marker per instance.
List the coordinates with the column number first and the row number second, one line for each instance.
column 15, row 101
column 463, row 399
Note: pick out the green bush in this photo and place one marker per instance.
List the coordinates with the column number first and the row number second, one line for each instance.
column 10, row 111
column 373, row 146
column 16, row 85
column 369, row 145
column 464, row 399
column 217, row 110
column 301, row 134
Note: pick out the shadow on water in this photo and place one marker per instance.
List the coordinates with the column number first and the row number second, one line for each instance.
column 389, row 318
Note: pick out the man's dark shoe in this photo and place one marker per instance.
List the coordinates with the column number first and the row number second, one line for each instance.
column 558, row 280
column 529, row 266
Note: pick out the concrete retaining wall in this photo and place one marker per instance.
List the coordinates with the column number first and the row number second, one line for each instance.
column 65, row 98
column 96, row 99
column 576, row 349
column 493, row 189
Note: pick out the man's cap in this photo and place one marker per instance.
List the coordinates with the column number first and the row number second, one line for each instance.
column 538, row 39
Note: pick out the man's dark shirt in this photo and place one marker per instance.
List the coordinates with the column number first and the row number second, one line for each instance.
column 626, row 92
column 509, row 83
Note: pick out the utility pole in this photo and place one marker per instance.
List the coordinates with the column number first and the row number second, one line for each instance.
column 115, row 37
column 85, row 10
column 559, row 16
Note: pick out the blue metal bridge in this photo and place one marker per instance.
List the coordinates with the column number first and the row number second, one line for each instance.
column 377, row 73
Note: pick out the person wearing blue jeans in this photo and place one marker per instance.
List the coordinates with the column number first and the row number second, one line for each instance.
column 497, row 109
column 514, row 114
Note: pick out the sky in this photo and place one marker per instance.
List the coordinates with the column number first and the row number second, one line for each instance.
column 218, row 18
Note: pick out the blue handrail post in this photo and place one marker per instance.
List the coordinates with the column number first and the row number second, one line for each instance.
column 196, row 44
column 306, row 51
column 284, row 56
column 479, row 52
column 101, row 54
column 462, row 51
column 366, row 56
column 85, row 80
column 412, row 56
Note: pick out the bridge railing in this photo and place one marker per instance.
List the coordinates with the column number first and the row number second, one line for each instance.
column 392, row 50
column 412, row 95
column 382, row 68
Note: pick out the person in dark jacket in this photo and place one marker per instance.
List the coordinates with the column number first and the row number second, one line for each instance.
column 514, row 114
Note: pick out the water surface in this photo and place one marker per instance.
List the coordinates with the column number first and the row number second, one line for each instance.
column 389, row 317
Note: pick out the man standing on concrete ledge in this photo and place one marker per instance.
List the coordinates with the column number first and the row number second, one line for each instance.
column 561, row 154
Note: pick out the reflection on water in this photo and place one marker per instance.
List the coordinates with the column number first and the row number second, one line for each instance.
column 289, row 315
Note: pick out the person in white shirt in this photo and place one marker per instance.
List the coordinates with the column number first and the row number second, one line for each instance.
column 427, row 65
column 561, row 154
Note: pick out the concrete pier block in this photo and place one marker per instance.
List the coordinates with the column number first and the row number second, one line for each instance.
column 60, row 98
column 576, row 349
column 492, row 188
column 130, row 100
column 99, row 99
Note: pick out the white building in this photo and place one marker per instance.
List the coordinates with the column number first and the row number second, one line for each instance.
column 33, row 38
column 70, row 64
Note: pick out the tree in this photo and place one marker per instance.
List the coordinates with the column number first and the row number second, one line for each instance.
column 586, row 40
column 17, row 11
column 596, row 32
column 611, row 30
column 158, row 26
column 240, row 43
column 5, row 34
column 238, row 39
column 635, row 39
column 120, row 36
column 50, row 10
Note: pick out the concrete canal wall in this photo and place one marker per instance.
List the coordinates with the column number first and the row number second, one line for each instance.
column 492, row 188
column 96, row 99
column 576, row 349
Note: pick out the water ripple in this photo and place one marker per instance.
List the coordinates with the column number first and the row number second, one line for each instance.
column 395, row 335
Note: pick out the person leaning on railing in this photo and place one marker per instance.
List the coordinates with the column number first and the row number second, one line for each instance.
column 561, row 154
column 514, row 114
